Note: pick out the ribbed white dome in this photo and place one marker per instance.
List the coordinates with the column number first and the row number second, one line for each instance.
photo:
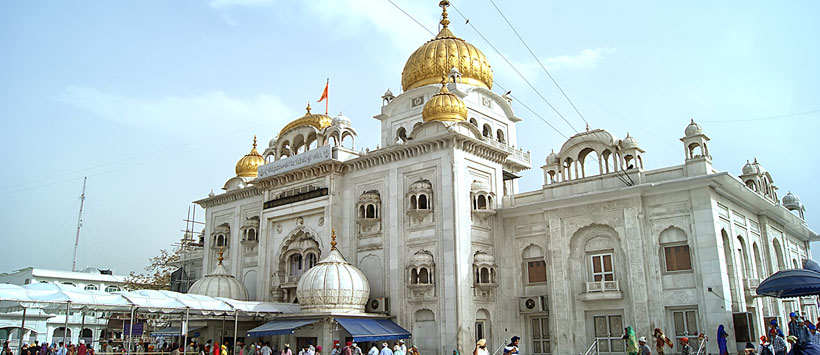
column 333, row 286
column 693, row 129
column 220, row 283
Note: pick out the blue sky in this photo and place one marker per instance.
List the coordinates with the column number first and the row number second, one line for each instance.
column 155, row 101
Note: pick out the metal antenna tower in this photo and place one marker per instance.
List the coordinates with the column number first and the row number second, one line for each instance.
column 79, row 225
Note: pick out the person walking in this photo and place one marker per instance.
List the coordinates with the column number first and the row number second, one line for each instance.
column 481, row 347
column 631, row 341
column 660, row 341
column 765, row 347
column 685, row 349
column 386, row 350
column 778, row 344
column 374, row 350
column 721, row 340
column 512, row 347
column 642, row 348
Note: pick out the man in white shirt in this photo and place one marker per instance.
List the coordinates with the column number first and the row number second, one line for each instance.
column 374, row 350
column 266, row 350
column 386, row 350
column 403, row 347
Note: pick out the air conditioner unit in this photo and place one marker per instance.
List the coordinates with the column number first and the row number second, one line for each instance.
column 533, row 304
column 377, row 305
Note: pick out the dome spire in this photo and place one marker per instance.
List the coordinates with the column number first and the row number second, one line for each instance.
column 444, row 21
column 333, row 239
column 254, row 141
column 308, row 108
column 221, row 251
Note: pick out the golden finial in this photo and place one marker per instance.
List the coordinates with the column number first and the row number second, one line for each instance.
column 333, row 239
column 254, row 141
column 221, row 250
column 444, row 21
column 308, row 107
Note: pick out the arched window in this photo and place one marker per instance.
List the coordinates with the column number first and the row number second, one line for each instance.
column 675, row 250
column 311, row 260
column 484, row 275
column 424, row 277
column 112, row 289
column 401, row 135
column 295, row 261
column 220, row 240
column 251, row 234
column 371, row 211
column 474, row 122
column 499, row 134
column 414, row 276
column 423, row 202
column 91, row 288
column 487, row 131
column 413, row 204
column 361, row 211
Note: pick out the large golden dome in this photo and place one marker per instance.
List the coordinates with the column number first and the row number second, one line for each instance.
column 435, row 58
column 317, row 120
column 444, row 106
column 247, row 166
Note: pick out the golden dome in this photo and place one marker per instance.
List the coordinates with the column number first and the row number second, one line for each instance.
column 247, row 166
column 317, row 120
column 438, row 56
column 444, row 106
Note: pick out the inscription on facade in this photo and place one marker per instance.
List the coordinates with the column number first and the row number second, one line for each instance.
column 296, row 198
column 295, row 162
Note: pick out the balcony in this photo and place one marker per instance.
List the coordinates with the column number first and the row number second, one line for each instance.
column 517, row 157
column 601, row 290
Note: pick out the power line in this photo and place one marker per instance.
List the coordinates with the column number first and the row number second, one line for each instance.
column 515, row 69
column 539, row 62
column 412, row 18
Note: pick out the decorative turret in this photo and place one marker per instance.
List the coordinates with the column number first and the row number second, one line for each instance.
column 248, row 165
column 444, row 106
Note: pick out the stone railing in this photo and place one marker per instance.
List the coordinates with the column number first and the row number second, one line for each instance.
column 602, row 286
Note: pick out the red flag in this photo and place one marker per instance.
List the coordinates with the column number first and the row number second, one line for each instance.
column 324, row 95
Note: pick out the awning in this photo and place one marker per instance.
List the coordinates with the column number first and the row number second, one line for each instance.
column 364, row 329
column 278, row 327
column 172, row 331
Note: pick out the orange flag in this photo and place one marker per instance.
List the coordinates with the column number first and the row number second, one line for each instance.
column 324, row 95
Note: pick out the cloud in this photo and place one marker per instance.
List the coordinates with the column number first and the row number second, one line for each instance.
column 200, row 113
column 587, row 59
column 224, row 4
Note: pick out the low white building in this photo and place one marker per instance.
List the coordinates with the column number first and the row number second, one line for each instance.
column 454, row 252
column 50, row 328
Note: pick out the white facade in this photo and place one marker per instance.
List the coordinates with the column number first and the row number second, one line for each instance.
column 49, row 328
column 435, row 221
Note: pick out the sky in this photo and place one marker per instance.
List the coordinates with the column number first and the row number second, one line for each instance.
column 155, row 101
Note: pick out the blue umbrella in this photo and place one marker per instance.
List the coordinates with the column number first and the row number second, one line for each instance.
column 791, row 283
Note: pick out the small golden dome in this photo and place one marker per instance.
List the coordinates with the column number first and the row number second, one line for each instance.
column 247, row 166
column 438, row 56
column 444, row 106
column 317, row 120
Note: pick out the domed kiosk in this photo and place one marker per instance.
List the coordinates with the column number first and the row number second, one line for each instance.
column 220, row 283
column 332, row 295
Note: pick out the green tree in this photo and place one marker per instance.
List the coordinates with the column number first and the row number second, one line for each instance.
column 157, row 275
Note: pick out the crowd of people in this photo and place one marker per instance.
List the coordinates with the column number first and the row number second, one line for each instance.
column 49, row 349
column 481, row 347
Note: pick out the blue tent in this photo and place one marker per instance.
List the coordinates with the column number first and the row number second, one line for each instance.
column 792, row 283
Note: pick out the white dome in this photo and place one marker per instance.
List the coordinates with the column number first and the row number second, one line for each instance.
column 341, row 120
column 749, row 169
column 552, row 158
column 333, row 286
column 479, row 186
column 791, row 201
column 693, row 129
column 220, row 283
column 629, row 142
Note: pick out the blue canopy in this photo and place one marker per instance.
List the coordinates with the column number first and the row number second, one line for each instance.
column 366, row 329
column 790, row 283
column 279, row 327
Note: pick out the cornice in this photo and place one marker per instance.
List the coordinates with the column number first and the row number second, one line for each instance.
column 229, row 196
column 309, row 172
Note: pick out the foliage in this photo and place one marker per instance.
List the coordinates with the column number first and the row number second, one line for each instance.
column 157, row 275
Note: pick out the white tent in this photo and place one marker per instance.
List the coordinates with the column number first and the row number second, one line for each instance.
column 64, row 298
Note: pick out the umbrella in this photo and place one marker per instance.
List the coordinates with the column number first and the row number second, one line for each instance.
column 790, row 283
